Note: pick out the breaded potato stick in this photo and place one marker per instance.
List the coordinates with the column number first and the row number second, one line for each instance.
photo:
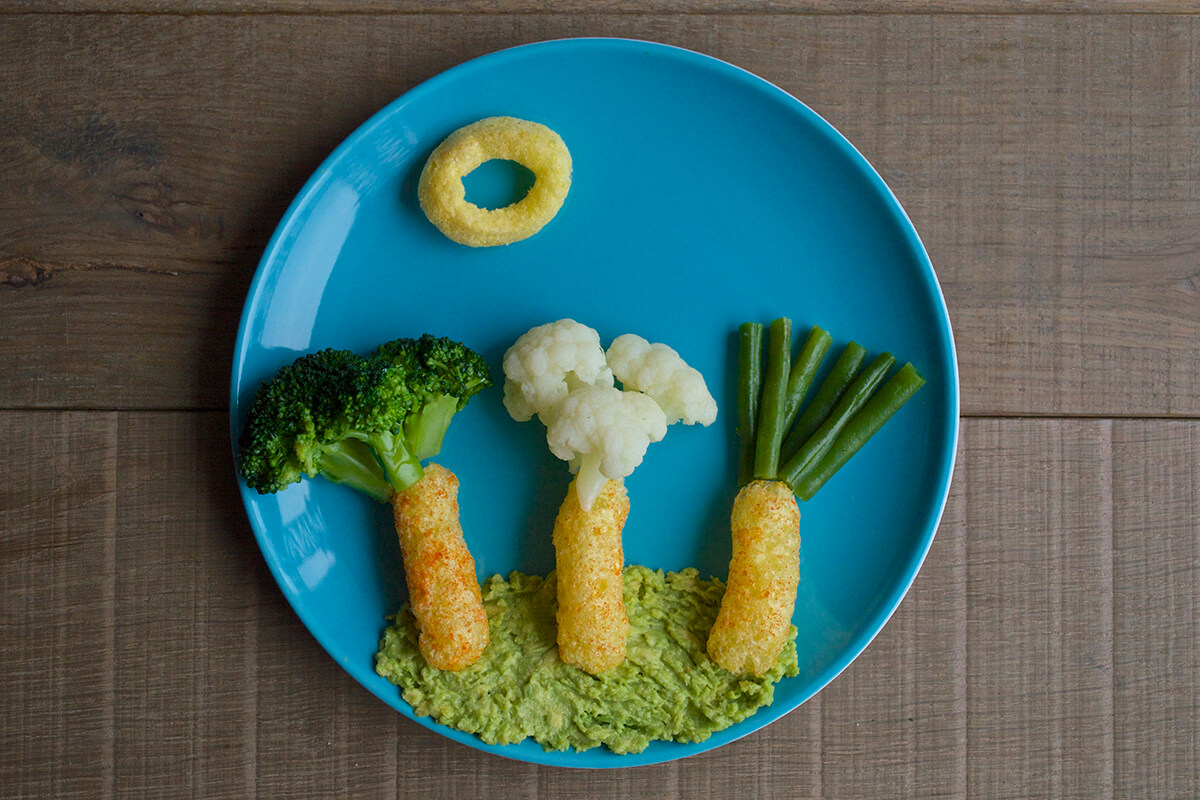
column 444, row 594
column 764, row 574
column 592, row 625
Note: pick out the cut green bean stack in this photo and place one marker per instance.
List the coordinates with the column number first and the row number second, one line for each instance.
column 786, row 437
column 878, row 410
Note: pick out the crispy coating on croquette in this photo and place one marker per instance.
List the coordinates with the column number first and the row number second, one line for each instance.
column 444, row 595
column 442, row 194
column 592, row 624
column 764, row 573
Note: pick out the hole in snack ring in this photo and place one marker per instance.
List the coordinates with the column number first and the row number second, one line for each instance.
column 534, row 146
column 498, row 183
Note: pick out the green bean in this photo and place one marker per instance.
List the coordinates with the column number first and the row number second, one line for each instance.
column 831, row 390
column 878, row 410
column 773, row 400
column 811, row 452
column 750, row 337
column 804, row 369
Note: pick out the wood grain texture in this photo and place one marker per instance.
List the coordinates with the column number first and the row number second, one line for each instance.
column 1156, row 605
column 757, row 7
column 1048, row 648
column 58, row 524
column 1050, row 162
column 1048, row 153
column 1040, row 610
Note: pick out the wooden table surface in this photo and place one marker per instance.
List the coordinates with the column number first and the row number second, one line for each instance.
column 1050, row 159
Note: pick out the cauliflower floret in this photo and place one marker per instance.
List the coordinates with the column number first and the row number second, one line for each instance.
column 549, row 361
column 603, row 432
column 659, row 371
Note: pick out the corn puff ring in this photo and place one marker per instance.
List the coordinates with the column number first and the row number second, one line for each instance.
column 534, row 146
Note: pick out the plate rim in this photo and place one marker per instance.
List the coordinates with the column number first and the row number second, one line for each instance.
column 909, row 568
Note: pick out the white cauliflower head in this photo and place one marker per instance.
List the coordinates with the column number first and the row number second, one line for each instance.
column 603, row 432
column 659, row 371
column 549, row 361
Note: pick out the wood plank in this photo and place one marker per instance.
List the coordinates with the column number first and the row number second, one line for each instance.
column 190, row 590
column 1051, row 163
column 1039, row 608
column 1048, row 648
column 1156, row 610
column 1089, row 152
column 762, row 7
column 57, row 574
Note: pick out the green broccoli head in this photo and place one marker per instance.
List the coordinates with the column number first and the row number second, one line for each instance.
column 441, row 375
column 438, row 366
column 302, row 422
column 365, row 422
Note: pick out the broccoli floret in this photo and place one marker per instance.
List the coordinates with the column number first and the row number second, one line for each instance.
column 366, row 422
column 443, row 376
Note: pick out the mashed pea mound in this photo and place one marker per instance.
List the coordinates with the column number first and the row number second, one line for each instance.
column 667, row 688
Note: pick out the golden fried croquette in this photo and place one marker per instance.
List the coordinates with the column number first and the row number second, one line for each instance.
column 764, row 573
column 592, row 624
column 444, row 595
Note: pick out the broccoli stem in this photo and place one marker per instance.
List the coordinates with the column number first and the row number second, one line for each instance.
column 773, row 403
column 878, row 410
column 750, row 336
column 352, row 463
column 855, row 397
column 401, row 469
column 426, row 428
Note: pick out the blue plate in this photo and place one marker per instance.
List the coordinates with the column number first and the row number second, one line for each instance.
column 702, row 197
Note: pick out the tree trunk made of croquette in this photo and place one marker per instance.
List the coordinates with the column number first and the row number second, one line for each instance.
column 443, row 592
column 589, row 561
column 764, row 573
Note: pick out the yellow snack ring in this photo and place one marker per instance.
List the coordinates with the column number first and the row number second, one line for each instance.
column 534, row 146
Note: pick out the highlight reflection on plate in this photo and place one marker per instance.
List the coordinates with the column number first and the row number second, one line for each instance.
column 702, row 197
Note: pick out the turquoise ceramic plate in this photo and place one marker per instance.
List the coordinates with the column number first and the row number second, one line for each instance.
column 702, row 197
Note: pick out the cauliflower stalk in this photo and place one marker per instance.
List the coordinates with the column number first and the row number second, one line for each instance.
column 603, row 433
column 560, row 373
